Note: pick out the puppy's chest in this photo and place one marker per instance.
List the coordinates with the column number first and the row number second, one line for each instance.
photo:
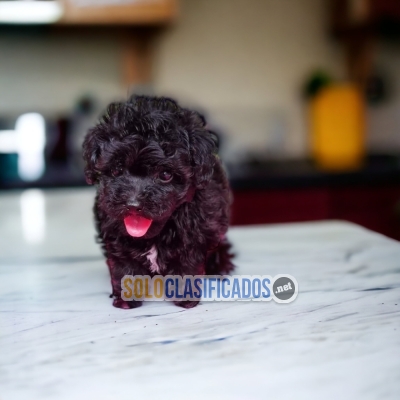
column 160, row 263
column 152, row 257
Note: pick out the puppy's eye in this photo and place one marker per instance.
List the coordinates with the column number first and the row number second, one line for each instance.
column 165, row 176
column 116, row 171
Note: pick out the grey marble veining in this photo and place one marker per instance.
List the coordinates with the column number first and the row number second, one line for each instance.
column 60, row 338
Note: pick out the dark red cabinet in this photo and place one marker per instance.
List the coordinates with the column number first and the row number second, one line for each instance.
column 375, row 207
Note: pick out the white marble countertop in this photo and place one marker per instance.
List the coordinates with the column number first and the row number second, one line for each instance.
column 60, row 338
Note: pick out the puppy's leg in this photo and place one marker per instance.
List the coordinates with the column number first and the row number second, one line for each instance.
column 116, row 274
column 126, row 305
column 187, row 303
column 190, row 303
column 219, row 261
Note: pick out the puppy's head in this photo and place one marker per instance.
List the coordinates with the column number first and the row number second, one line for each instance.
column 147, row 156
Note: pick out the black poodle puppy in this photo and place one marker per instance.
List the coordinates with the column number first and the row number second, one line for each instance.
column 163, row 199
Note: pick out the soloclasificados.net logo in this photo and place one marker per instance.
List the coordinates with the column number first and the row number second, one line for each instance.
column 281, row 288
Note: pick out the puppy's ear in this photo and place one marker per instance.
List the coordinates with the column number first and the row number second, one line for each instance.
column 95, row 140
column 91, row 153
column 203, row 149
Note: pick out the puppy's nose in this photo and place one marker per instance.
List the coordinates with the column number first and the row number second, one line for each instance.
column 134, row 205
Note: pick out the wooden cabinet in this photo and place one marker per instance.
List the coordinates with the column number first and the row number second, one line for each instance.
column 375, row 207
column 360, row 25
column 136, row 23
column 139, row 12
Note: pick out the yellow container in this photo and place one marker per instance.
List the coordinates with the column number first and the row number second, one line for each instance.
column 338, row 127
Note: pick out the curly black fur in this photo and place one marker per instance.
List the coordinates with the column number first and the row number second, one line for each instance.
column 125, row 153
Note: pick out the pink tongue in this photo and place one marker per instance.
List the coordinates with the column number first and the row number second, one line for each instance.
column 137, row 225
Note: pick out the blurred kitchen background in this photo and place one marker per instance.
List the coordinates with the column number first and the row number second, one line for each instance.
column 304, row 94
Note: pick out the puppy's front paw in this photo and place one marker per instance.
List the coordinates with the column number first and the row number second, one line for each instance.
column 186, row 303
column 126, row 305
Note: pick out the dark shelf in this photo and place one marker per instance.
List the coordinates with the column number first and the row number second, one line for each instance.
column 378, row 169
